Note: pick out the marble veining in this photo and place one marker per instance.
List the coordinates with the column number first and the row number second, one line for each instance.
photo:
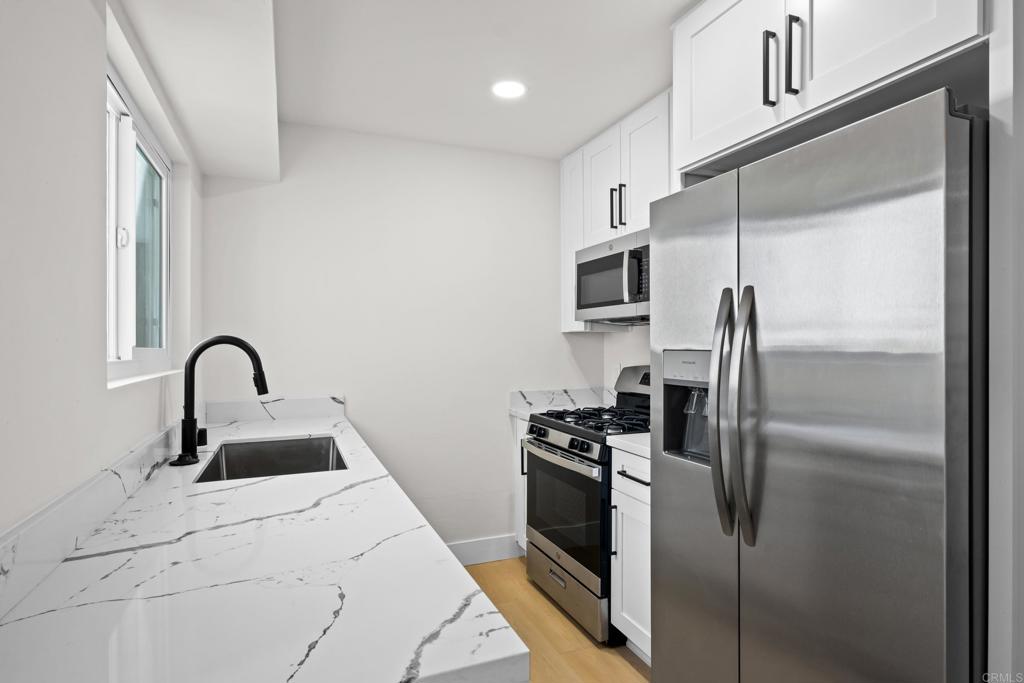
column 35, row 547
column 522, row 402
column 327, row 576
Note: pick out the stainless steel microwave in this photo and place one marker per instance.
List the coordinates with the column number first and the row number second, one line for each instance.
column 613, row 280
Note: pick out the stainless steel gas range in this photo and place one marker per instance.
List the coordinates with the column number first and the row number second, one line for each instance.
column 568, row 499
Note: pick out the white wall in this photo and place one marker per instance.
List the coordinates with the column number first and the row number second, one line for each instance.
column 59, row 423
column 629, row 347
column 416, row 278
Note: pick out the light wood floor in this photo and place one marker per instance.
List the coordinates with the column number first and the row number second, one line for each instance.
column 560, row 651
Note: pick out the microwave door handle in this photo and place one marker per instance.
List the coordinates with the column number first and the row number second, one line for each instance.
column 631, row 259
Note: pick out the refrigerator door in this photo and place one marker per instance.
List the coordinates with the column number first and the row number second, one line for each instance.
column 694, row 571
column 854, row 404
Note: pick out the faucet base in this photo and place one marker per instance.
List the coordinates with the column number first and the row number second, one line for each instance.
column 183, row 460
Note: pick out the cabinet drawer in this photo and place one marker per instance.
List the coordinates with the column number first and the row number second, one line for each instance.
column 631, row 474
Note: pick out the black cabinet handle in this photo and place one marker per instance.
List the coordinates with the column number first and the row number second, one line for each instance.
column 611, row 209
column 766, row 38
column 790, row 20
column 627, row 475
column 622, row 194
column 615, row 536
column 522, row 461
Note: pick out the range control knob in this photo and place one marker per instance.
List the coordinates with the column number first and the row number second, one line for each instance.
column 542, row 432
column 532, row 429
column 584, row 446
column 574, row 444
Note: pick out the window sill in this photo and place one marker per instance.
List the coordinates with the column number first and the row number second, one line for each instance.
column 125, row 381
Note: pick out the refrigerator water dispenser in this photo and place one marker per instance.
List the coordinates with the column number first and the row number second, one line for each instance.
column 686, row 405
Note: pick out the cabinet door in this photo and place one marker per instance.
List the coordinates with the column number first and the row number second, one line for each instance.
column 718, row 67
column 601, row 187
column 645, row 163
column 841, row 46
column 518, row 432
column 572, row 237
column 631, row 570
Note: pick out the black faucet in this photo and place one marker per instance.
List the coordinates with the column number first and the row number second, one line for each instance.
column 191, row 436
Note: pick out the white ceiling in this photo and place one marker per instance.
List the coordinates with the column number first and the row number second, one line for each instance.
column 215, row 60
column 423, row 69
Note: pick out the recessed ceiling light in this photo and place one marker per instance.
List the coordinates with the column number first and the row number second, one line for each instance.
column 508, row 90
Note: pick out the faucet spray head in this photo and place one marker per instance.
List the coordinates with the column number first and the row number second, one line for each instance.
column 260, row 380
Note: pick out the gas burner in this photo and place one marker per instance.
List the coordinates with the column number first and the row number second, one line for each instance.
column 624, row 424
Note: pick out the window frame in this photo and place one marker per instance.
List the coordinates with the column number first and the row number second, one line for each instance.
column 124, row 359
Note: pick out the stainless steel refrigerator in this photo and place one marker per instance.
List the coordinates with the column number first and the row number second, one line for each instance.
column 810, row 333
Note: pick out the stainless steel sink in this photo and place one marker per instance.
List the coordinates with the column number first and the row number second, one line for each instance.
column 272, row 457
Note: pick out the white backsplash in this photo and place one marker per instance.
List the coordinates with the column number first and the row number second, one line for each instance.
column 629, row 347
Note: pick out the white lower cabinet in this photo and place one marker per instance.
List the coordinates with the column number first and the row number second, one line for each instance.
column 631, row 569
column 518, row 432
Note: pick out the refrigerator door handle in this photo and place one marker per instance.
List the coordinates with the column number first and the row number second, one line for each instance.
column 724, row 324
column 743, row 514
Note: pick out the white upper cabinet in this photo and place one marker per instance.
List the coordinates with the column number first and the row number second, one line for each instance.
column 645, row 161
column 725, row 75
column 626, row 168
column 842, row 45
column 601, row 160
column 741, row 67
column 606, row 191
column 572, row 237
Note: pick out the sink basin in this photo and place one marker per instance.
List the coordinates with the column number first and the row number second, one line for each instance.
column 272, row 457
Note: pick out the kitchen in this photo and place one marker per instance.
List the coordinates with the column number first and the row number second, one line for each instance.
column 664, row 341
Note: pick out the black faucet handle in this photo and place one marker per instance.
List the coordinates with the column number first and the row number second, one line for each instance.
column 201, row 436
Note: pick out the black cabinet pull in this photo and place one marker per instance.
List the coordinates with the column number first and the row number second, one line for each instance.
column 522, row 461
column 615, row 539
column 790, row 20
column 622, row 193
column 766, row 38
column 611, row 209
column 627, row 475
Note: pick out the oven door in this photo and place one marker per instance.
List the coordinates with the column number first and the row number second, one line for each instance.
column 566, row 512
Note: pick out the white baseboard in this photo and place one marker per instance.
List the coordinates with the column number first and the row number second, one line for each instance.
column 635, row 649
column 490, row 549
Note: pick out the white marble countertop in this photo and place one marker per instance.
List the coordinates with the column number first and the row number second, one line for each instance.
column 637, row 444
column 330, row 576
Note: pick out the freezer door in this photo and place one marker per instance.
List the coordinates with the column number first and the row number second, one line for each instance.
column 853, row 404
column 694, row 572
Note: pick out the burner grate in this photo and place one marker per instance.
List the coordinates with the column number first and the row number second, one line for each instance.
column 610, row 420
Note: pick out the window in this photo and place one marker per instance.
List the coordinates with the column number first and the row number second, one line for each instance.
column 137, row 229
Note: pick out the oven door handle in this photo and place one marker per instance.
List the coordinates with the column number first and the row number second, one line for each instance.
column 590, row 471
